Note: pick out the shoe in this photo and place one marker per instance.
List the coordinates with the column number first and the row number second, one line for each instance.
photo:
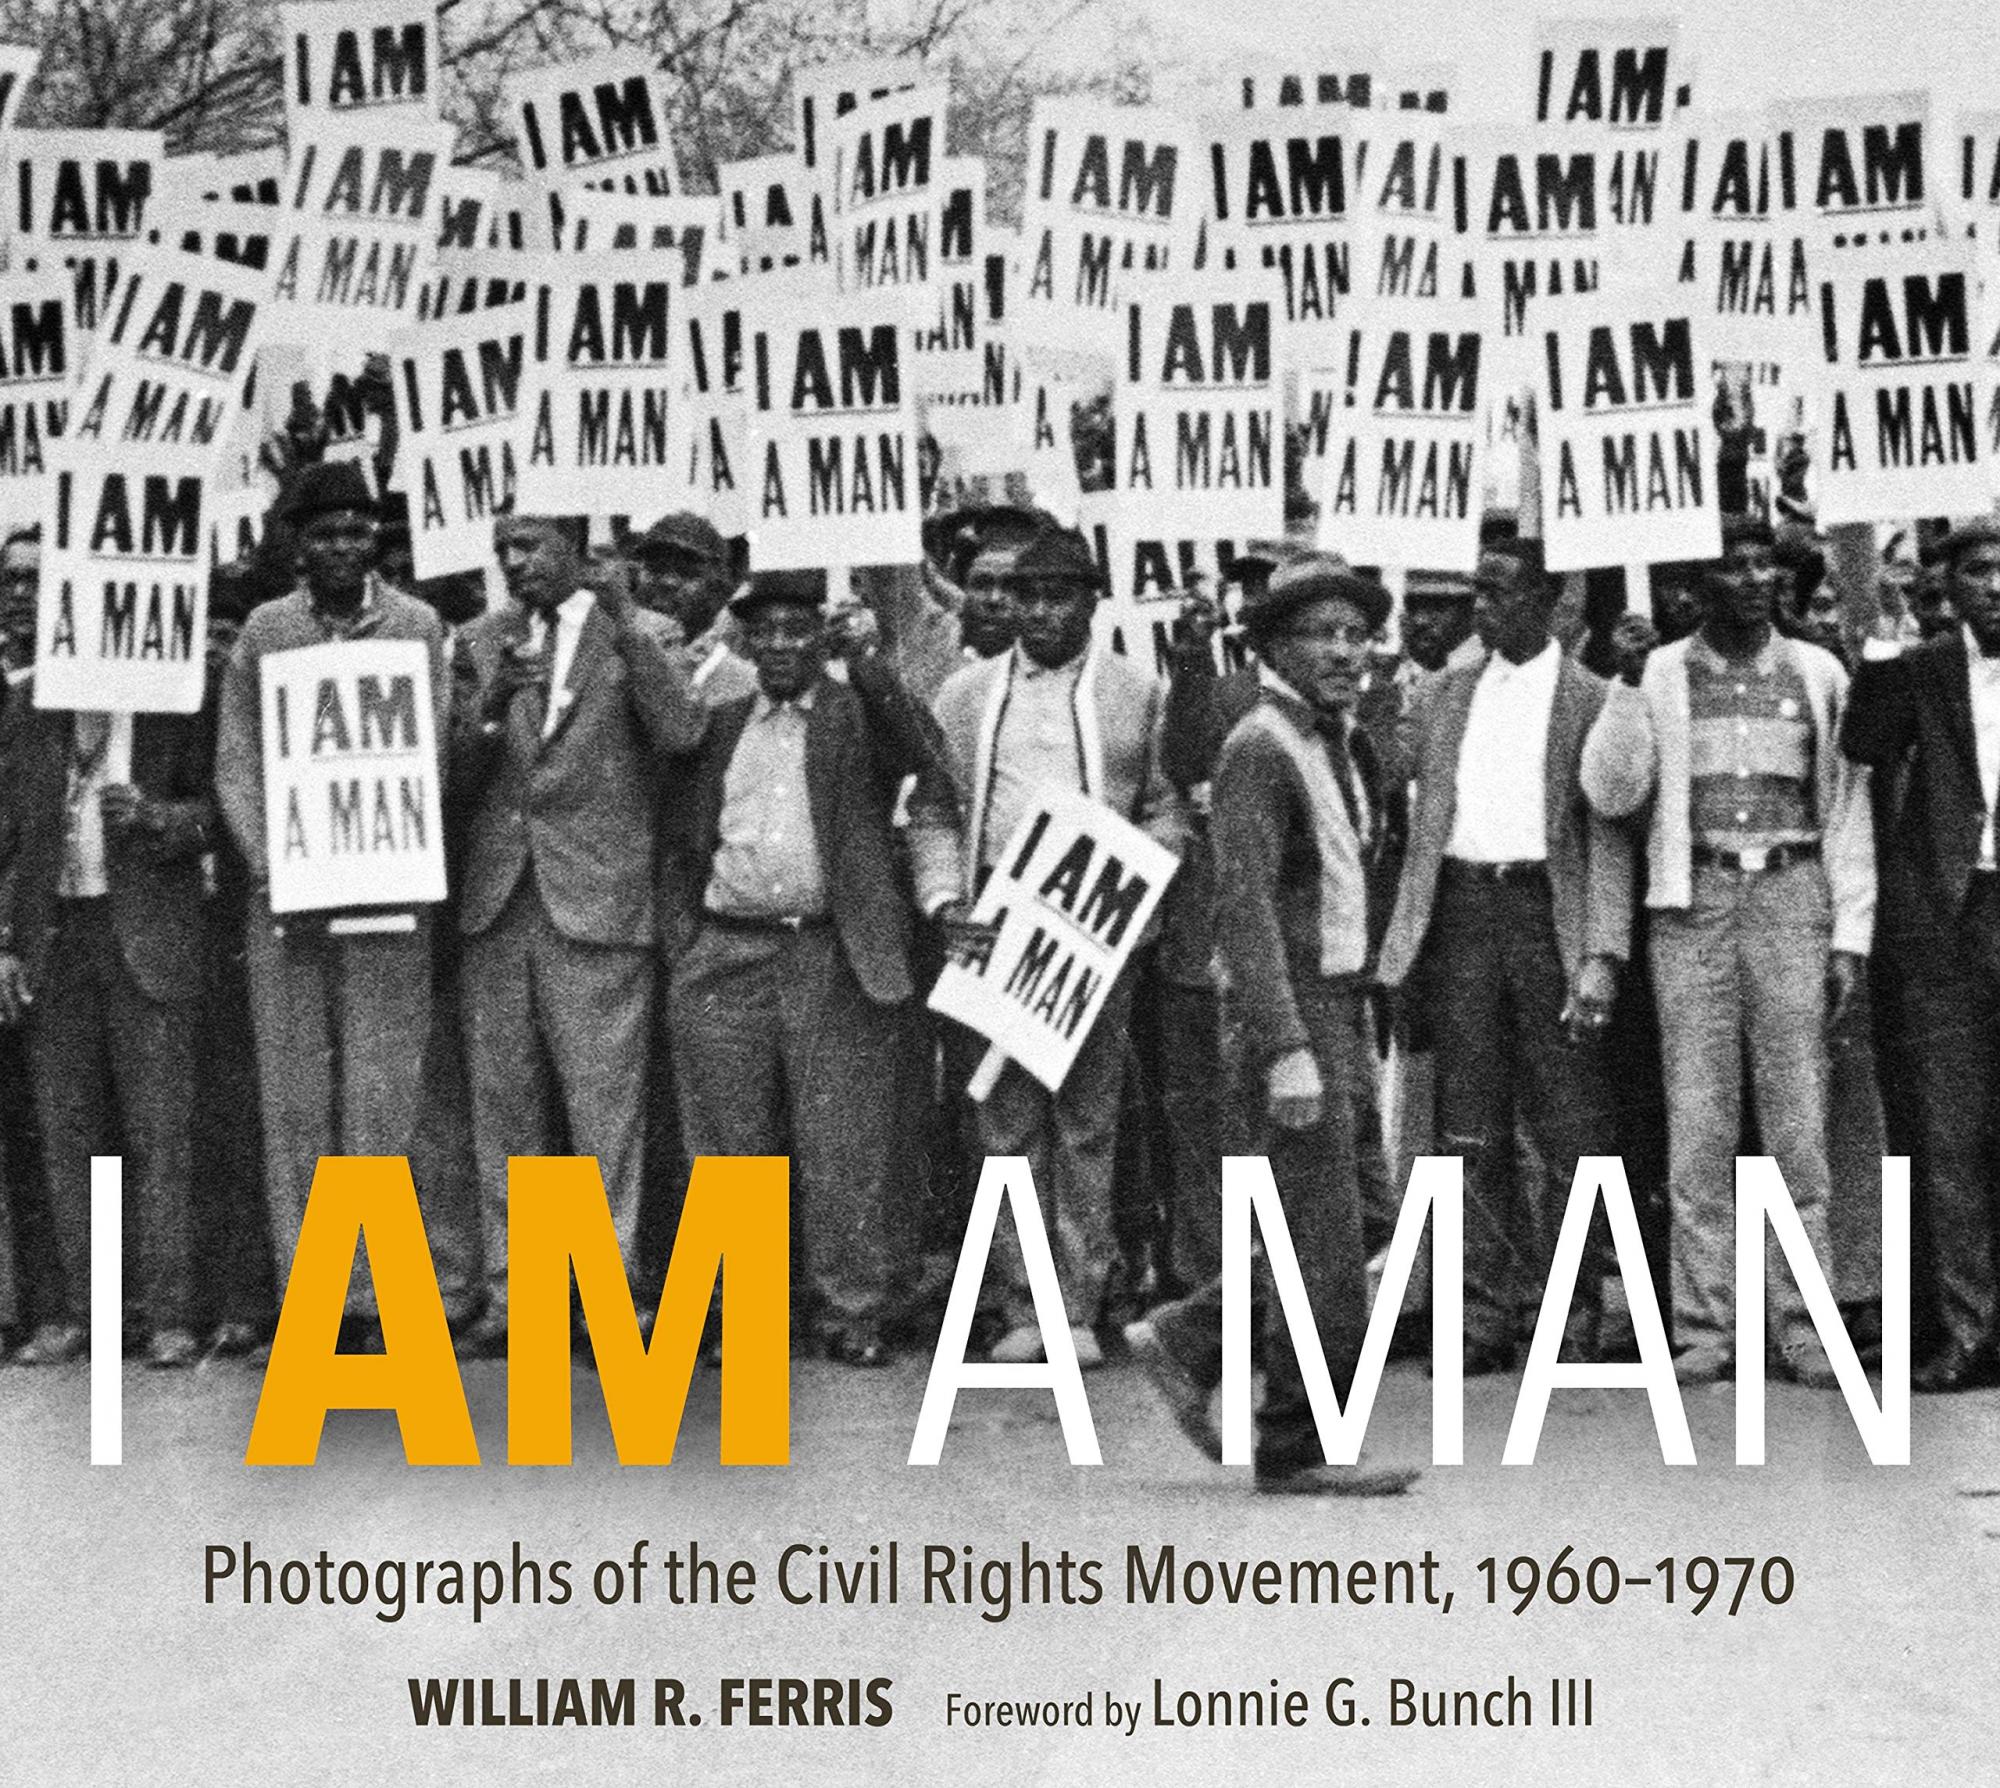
column 53, row 1344
column 1580, row 1336
column 1485, row 1357
column 866, row 1351
column 1813, row 1370
column 172, row 1349
column 1703, row 1365
column 1089, row 1350
column 231, row 1339
column 1956, row 1368
column 486, row 1339
column 1186, row 1401
column 1336, row 1480
column 1019, row 1346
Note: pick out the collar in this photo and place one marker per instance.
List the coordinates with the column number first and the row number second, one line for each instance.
column 763, row 707
column 1029, row 671
column 1501, row 669
column 1983, row 667
column 369, row 607
column 1710, row 659
column 575, row 606
column 1308, row 717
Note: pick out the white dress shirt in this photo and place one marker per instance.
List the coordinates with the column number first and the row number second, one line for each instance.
column 100, row 755
column 1501, row 764
column 1984, row 674
column 571, row 613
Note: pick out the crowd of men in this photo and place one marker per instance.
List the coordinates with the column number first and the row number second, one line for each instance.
column 1669, row 887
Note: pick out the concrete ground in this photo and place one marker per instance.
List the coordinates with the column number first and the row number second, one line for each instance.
column 1881, row 1667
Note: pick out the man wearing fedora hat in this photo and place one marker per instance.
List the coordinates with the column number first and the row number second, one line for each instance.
column 1296, row 818
column 1931, row 716
column 787, row 924
column 1512, row 915
column 1057, row 713
column 341, row 1022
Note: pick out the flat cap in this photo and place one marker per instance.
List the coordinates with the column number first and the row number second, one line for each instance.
column 1436, row 586
column 332, row 484
column 683, row 532
column 1318, row 577
column 806, row 588
column 1982, row 530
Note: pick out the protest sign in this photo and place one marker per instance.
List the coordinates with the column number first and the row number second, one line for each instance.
column 122, row 617
column 1744, row 257
column 1285, row 188
column 365, row 195
column 1198, row 419
column 351, row 806
column 359, row 55
column 1608, row 79
column 1626, row 448
column 706, row 423
column 1071, row 898
column 1856, row 169
column 772, row 214
column 17, row 68
column 1340, row 76
column 822, row 94
column 831, row 429
column 1407, row 239
column 1114, row 200
column 1970, row 188
column 626, row 223
column 966, row 372
column 458, row 385
column 969, row 292
column 37, row 363
column 1403, row 414
column 80, row 199
column 884, row 164
column 1899, row 385
column 600, row 123
column 600, row 386
column 1045, row 437
column 173, row 360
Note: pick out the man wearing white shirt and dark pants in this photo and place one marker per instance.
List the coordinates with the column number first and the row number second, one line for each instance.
column 1512, row 916
column 1933, row 714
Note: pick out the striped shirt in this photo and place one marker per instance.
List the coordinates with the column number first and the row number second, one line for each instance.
column 1751, row 742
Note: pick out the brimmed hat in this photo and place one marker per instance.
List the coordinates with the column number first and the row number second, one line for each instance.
column 806, row 588
column 684, row 532
column 1057, row 555
column 1319, row 578
column 332, row 484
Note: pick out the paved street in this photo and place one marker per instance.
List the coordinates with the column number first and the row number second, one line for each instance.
column 1880, row 1668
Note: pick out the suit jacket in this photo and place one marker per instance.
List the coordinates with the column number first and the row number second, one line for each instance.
column 1118, row 714
column 1911, row 717
column 154, row 886
column 862, row 738
column 580, row 805
column 1589, row 859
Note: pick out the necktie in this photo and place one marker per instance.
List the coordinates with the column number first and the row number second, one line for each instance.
column 1341, row 756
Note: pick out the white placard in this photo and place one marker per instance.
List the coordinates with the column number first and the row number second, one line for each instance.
column 1626, row 443
column 352, row 815
column 832, row 474
column 885, row 168
column 359, row 56
column 37, row 363
column 80, row 200
column 1399, row 423
column 1071, row 897
column 122, row 618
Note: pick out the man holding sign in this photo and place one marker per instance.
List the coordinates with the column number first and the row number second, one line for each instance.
column 1054, row 714
column 341, row 1003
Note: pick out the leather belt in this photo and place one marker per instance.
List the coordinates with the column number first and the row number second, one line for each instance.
column 1760, row 859
column 788, row 923
column 1464, row 869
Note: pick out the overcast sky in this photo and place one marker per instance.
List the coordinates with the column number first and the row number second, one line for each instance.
column 1745, row 52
